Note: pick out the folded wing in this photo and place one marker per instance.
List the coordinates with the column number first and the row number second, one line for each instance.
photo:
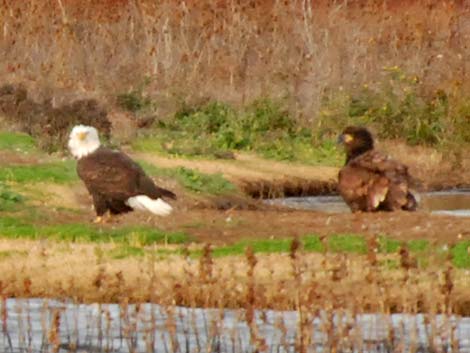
column 373, row 182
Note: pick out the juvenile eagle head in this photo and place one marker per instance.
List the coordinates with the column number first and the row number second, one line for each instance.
column 83, row 140
column 356, row 141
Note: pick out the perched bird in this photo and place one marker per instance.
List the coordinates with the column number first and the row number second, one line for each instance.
column 116, row 183
column 371, row 181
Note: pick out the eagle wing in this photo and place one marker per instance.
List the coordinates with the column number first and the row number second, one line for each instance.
column 373, row 181
column 114, row 175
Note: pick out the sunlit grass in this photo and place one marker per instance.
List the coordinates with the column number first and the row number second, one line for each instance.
column 461, row 254
column 10, row 200
column 14, row 228
column 65, row 172
column 263, row 127
column 350, row 243
column 16, row 142
column 192, row 180
column 58, row 172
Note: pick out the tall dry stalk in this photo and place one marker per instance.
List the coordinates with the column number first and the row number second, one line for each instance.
column 228, row 50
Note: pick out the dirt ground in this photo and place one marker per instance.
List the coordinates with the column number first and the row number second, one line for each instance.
column 226, row 219
column 42, row 268
column 224, row 227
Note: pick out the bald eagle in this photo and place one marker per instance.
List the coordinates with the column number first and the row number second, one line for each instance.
column 116, row 183
column 370, row 181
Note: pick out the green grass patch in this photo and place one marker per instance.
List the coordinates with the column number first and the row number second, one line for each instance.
column 310, row 243
column 193, row 180
column 14, row 141
column 12, row 227
column 9, row 200
column 258, row 246
column 203, row 183
column 349, row 243
column 461, row 254
column 264, row 127
column 397, row 107
column 418, row 245
column 58, row 172
column 388, row 246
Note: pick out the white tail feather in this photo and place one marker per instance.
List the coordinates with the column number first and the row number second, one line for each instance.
column 145, row 203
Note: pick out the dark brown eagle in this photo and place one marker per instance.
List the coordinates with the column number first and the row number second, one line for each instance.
column 116, row 183
column 371, row 181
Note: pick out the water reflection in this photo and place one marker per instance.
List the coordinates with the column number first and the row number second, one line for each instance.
column 450, row 202
column 38, row 325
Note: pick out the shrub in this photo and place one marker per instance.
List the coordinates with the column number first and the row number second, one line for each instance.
column 264, row 126
column 49, row 125
column 9, row 199
column 397, row 107
column 135, row 100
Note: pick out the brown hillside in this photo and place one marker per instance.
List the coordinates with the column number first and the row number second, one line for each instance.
column 233, row 51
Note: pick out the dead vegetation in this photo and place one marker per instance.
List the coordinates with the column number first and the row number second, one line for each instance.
column 294, row 281
column 230, row 51
column 48, row 124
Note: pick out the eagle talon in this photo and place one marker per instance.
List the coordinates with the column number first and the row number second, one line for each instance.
column 98, row 220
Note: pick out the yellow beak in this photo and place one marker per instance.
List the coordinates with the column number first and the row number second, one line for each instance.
column 347, row 138
column 82, row 135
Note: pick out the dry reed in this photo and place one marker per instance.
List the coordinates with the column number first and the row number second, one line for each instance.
column 229, row 50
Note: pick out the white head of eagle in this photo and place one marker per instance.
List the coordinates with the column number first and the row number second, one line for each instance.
column 83, row 140
column 116, row 183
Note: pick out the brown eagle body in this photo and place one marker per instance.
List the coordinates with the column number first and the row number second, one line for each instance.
column 371, row 181
column 112, row 178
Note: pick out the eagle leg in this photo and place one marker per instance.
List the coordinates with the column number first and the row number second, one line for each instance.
column 105, row 218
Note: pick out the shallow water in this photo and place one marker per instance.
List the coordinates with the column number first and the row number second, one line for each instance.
column 450, row 202
column 151, row 328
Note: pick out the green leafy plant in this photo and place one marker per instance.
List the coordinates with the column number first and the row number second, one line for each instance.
column 264, row 127
column 397, row 107
column 9, row 200
column 135, row 100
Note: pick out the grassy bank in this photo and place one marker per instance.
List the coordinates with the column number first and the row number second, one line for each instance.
column 279, row 275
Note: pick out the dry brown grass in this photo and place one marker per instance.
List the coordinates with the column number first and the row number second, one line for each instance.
column 294, row 281
column 229, row 50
